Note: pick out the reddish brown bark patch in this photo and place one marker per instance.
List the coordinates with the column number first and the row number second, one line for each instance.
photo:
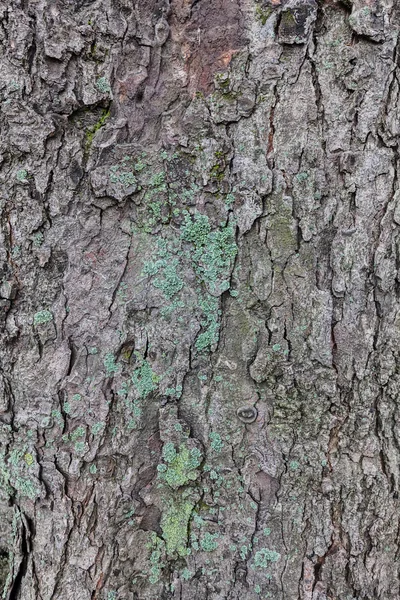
column 214, row 32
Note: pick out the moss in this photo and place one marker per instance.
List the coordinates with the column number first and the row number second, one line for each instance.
column 224, row 82
column 91, row 132
column 217, row 171
column 263, row 14
column 288, row 19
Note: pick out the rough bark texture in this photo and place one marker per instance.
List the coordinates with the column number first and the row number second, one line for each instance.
column 200, row 315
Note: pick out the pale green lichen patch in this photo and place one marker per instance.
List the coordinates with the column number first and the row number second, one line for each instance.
column 201, row 253
column 186, row 574
column 42, row 317
column 144, row 380
column 156, row 559
column 208, row 541
column 214, row 251
column 169, row 282
column 103, row 85
column 264, row 557
column 174, row 525
column 110, row 365
column 124, row 177
column 22, row 175
column 15, row 475
column 180, row 466
column 216, row 442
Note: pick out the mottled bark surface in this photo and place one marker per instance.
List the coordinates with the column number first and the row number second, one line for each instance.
column 200, row 326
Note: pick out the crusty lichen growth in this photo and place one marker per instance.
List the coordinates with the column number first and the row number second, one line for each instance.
column 174, row 525
column 179, row 466
column 42, row 317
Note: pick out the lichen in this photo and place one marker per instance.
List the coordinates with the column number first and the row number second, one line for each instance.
column 103, row 85
column 42, row 317
column 180, row 467
column 174, row 525
column 214, row 250
column 22, row 175
column 77, row 433
column 38, row 239
column 263, row 557
column 216, row 442
column 125, row 177
column 144, row 380
column 97, row 427
column 186, row 574
column 208, row 541
column 111, row 366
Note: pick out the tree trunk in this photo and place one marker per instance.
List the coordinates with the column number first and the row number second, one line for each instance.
column 200, row 309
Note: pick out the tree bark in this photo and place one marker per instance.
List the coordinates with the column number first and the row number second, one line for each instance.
column 199, row 293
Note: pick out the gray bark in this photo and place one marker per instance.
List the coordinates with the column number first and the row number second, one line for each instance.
column 199, row 293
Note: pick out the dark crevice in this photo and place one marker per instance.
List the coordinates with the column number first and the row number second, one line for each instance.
column 17, row 583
